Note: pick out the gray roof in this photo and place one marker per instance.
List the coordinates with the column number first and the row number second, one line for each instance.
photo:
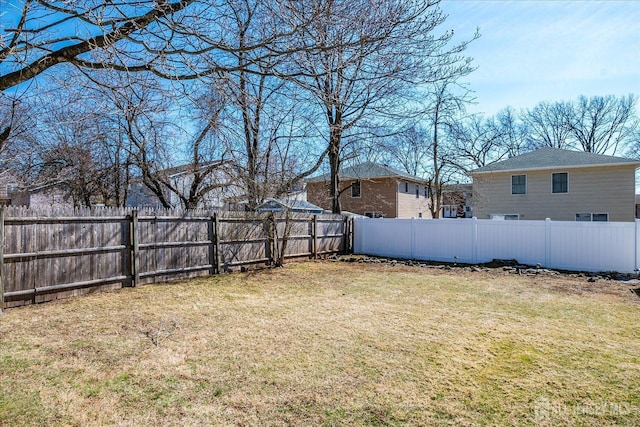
column 550, row 158
column 294, row 205
column 368, row 170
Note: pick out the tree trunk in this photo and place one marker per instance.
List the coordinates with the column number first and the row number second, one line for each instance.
column 334, row 162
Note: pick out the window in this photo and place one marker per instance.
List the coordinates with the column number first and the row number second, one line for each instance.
column 406, row 187
column 417, row 191
column 419, row 214
column 518, row 184
column 12, row 187
column 355, row 189
column 583, row 217
column 426, row 192
column 595, row 217
column 560, row 182
column 505, row 217
column 449, row 211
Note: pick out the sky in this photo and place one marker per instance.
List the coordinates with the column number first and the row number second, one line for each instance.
column 544, row 50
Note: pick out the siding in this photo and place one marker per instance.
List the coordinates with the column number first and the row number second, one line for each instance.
column 591, row 190
column 384, row 195
column 410, row 206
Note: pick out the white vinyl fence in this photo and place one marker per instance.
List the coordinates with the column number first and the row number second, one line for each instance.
column 579, row 246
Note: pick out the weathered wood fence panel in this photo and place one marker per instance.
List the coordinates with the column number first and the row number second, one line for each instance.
column 51, row 257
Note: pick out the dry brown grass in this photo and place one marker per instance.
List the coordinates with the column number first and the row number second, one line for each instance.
column 328, row 344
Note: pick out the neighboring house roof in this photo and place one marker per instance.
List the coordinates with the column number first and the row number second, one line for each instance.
column 553, row 158
column 293, row 205
column 368, row 170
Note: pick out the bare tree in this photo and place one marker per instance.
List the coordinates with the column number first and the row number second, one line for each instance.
column 548, row 126
column 476, row 142
column 600, row 124
column 513, row 130
column 263, row 118
column 409, row 149
column 447, row 105
column 398, row 47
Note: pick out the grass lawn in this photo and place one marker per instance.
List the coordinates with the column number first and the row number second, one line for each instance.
column 322, row 343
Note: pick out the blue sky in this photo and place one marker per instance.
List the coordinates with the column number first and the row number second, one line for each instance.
column 543, row 50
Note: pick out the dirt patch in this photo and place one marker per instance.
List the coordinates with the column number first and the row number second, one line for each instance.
column 564, row 282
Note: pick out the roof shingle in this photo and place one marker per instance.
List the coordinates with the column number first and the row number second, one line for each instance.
column 368, row 170
column 548, row 158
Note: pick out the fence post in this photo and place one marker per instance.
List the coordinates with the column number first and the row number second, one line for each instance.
column 216, row 243
column 413, row 238
column 636, row 248
column 358, row 241
column 135, row 248
column 547, row 242
column 314, row 236
column 1, row 259
column 271, row 238
column 212, row 244
column 474, row 240
column 350, row 235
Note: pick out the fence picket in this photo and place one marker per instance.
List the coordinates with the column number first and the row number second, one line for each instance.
column 48, row 257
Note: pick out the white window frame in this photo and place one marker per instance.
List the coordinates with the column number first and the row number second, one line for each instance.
column 450, row 208
column 525, row 184
column 505, row 217
column 591, row 215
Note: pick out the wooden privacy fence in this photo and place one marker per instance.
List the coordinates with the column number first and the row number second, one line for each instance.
column 43, row 258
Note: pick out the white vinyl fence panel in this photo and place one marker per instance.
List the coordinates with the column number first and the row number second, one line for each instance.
column 581, row 246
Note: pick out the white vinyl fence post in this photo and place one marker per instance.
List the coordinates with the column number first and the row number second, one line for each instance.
column 413, row 238
column 474, row 240
column 358, row 236
column 547, row 242
column 637, row 249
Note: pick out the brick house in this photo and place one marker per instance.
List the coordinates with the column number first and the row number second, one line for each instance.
column 374, row 190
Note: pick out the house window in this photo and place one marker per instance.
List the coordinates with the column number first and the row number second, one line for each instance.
column 417, row 191
column 12, row 187
column 595, row 217
column 449, row 211
column 505, row 217
column 355, row 189
column 419, row 214
column 583, row 217
column 406, row 187
column 518, row 184
column 560, row 182
column 426, row 191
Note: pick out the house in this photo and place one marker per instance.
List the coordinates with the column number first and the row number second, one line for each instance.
column 10, row 193
column 374, row 190
column 220, row 179
column 52, row 195
column 456, row 201
column 562, row 185
column 292, row 205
